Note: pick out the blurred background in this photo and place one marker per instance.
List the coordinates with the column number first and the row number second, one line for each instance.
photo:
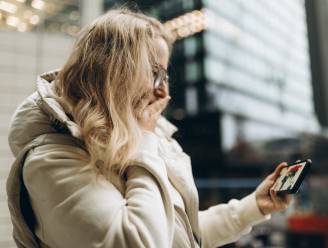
column 249, row 89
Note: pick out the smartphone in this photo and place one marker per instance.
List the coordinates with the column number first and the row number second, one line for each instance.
column 291, row 177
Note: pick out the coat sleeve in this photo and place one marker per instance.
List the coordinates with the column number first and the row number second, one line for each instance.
column 226, row 223
column 75, row 210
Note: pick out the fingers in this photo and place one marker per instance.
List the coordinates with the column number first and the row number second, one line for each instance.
column 277, row 171
column 286, row 199
column 159, row 105
column 280, row 203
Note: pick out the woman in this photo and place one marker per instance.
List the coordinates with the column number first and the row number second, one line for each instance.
column 96, row 164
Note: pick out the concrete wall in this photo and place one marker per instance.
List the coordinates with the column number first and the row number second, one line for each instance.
column 22, row 57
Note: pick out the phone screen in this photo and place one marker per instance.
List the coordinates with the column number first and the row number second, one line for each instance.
column 291, row 177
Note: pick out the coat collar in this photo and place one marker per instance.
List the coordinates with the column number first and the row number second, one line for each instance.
column 48, row 103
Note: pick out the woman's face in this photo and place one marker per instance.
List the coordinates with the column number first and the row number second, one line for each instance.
column 162, row 51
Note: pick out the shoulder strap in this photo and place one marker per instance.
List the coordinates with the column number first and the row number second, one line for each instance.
column 21, row 212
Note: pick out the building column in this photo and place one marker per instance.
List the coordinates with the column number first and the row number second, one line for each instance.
column 90, row 10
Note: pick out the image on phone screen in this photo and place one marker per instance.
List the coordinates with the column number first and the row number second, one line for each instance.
column 289, row 177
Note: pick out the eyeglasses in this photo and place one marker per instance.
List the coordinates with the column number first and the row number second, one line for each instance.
column 160, row 75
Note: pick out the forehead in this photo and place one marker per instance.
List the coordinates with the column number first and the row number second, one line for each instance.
column 162, row 51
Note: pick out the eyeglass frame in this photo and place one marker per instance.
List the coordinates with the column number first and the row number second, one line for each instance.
column 160, row 76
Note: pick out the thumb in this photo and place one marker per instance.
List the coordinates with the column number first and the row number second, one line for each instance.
column 278, row 170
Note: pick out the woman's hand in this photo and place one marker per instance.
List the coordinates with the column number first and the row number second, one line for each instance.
column 266, row 198
column 153, row 106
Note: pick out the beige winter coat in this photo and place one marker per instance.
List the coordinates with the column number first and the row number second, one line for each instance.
column 56, row 201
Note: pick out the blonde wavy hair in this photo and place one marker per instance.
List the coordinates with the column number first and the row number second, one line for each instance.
column 104, row 80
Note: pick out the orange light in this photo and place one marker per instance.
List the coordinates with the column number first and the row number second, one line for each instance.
column 187, row 24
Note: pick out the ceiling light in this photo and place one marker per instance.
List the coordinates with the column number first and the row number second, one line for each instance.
column 37, row 4
column 34, row 19
column 12, row 21
column 187, row 24
column 8, row 7
column 197, row 13
column 183, row 32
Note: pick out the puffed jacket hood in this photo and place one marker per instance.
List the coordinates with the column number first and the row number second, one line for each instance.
column 52, row 200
